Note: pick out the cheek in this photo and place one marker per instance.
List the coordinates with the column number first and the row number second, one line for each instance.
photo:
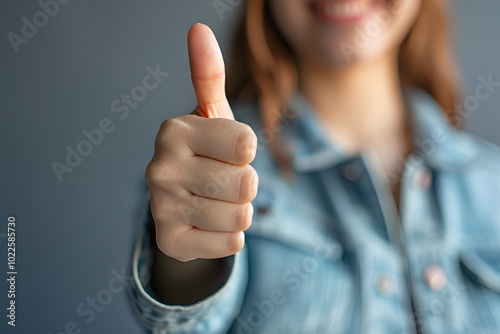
column 403, row 17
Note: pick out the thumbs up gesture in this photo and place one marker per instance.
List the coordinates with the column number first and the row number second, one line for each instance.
column 199, row 178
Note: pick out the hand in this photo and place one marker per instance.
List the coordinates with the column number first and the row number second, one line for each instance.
column 200, row 180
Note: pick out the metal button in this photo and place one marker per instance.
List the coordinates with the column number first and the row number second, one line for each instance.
column 423, row 178
column 435, row 277
column 385, row 286
column 352, row 172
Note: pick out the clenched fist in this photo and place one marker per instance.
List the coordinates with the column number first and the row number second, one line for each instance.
column 200, row 180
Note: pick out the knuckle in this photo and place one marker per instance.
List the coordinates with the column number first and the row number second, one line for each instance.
column 166, row 128
column 164, row 173
column 246, row 145
column 247, row 189
column 158, row 176
column 170, row 129
column 159, row 210
column 154, row 205
column 171, row 124
column 153, row 172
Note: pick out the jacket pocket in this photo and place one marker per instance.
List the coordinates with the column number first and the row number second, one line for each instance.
column 294, row 292
column 481, row 274
column 483, row 267
column 290, row 220
column 292, row 251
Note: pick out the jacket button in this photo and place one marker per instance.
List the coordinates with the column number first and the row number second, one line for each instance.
column 385, row 285
column 352, row 172
column 423, row 178
column 435, row 277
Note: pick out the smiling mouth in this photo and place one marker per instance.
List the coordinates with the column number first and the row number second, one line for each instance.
column 341, row 11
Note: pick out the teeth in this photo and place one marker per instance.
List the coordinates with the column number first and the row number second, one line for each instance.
column 343, row 8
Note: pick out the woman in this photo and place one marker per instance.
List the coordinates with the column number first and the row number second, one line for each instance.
column 373, row 213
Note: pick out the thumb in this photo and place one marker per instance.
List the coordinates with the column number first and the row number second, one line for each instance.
column 207, row 73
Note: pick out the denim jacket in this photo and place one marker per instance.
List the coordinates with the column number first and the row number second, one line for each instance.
column 329, row 252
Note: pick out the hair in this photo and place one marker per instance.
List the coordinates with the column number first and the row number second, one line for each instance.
column 262, row 64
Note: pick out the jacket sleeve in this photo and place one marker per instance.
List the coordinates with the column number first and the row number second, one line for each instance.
column 214, row 314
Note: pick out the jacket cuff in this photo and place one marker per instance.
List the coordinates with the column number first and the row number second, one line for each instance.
column 214, row 314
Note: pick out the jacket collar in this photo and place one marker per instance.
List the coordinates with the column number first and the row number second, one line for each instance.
column 436, row 141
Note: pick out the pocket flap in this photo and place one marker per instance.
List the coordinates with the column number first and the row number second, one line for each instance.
column 483, row 267
column 291, row 221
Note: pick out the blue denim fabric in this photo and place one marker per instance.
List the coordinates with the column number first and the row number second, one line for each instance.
column 328, row 252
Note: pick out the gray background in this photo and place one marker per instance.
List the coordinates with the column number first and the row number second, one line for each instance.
column 71, row 235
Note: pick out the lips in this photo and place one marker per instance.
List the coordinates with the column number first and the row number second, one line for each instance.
column 341, row 11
